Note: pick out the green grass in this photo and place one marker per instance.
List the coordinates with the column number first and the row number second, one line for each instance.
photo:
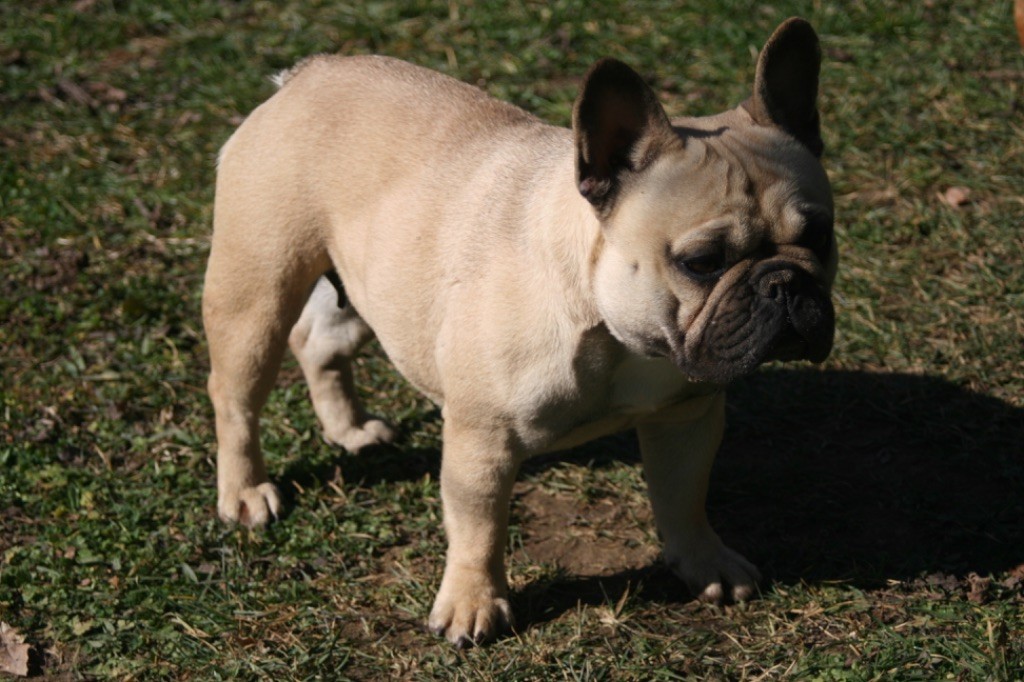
column 882, row 495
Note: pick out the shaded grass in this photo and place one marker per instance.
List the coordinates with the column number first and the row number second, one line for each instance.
column 869, row 492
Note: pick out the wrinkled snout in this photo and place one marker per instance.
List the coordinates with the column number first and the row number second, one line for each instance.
column 780, row 311
column 807, row 322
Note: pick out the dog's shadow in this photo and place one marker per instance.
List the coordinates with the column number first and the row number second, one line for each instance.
column 848, row 476
column 867, row 477
column 824, row 476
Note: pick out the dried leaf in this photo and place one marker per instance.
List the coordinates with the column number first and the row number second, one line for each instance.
column 1015, row 578
column 943, row 581
column 979, row 588
column 955, row 197
column 1018, row 20
column 75, row 93
column 106, row 92
column 13, row 651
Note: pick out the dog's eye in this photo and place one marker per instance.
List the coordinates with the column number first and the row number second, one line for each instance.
column 704, row 267
column 817, row 236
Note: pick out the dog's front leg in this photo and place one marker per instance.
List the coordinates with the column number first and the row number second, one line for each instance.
column 678, row 450
column 478, row 469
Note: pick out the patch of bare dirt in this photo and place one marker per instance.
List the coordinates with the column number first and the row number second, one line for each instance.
column 593, row 538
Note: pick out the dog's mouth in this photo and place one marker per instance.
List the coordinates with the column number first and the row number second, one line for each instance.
column 789, row 345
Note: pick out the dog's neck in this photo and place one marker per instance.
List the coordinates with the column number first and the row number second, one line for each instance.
column 570, row 239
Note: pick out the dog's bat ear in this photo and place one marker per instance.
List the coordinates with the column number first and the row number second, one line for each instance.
column 619, row 126
column 786, row 83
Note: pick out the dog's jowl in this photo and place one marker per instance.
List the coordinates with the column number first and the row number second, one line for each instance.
column 545, row 286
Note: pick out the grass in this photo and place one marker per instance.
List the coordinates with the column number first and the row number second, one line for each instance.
column 882, row 494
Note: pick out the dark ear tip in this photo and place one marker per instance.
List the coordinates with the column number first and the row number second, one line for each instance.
column 795, row 29
column 798, row 24
column 610, row 69
column 607, row 63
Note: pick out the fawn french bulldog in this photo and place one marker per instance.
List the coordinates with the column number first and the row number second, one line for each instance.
column 544, row 286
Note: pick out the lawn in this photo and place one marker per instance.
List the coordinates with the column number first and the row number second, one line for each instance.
column 882, row 494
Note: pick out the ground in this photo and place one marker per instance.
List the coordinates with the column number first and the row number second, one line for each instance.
column 881, row 493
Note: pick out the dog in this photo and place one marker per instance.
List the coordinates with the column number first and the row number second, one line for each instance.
column 544, row 286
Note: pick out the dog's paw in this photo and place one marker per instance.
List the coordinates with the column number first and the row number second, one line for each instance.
column 252, row 506
column 355, row 438
column 467, row 616
column 712, row 571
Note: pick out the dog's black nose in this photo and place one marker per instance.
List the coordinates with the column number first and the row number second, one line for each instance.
column 806, row 320
column 776, row 283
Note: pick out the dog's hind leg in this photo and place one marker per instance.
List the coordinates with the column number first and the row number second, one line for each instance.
column 250, row 302
column 325, row 339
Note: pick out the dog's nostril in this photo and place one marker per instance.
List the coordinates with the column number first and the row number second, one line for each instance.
column 775, row 283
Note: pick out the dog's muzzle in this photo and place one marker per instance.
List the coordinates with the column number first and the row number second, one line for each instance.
column 809, row 326
column 781, row 313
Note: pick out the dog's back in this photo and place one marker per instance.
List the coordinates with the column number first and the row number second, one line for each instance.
column 373, row 160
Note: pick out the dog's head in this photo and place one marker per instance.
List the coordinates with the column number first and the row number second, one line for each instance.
column 717, row 240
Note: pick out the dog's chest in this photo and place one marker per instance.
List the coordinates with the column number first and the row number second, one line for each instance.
column 640, row 388
column 641, row 385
